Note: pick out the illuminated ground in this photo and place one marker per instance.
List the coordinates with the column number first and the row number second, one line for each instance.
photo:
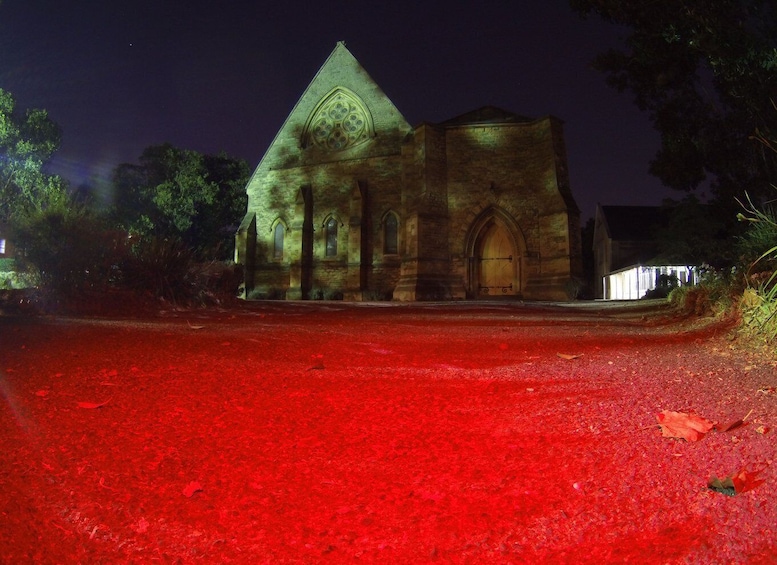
column 339, row 433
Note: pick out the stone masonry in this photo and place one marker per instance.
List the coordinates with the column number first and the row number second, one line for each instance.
column 352, row 202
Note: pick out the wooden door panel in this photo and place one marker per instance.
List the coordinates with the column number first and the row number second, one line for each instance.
column 497, row 263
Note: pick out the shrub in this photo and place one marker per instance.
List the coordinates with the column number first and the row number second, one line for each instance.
column 715, row 293
column 217, row 281
column 759, row 305
column 664, row 287
column 160, row 268
column 266, row 293
column 759, row 302
column 575, row 288
column 758, row 245
column 69, row 248
column 378, row 295
column 759, row 312
column 17, row 280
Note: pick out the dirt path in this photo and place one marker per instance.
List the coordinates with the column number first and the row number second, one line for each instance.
column 331, row 432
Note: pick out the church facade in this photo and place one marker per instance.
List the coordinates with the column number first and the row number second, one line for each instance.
column 350, row 201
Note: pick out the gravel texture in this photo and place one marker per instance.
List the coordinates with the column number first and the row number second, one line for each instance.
column 383, row 433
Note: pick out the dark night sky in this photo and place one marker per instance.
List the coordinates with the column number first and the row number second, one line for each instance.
column 120, row 76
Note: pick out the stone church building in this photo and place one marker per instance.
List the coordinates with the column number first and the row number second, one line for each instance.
column 350, row 201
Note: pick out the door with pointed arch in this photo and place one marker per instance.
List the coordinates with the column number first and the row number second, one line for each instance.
column 498, row 262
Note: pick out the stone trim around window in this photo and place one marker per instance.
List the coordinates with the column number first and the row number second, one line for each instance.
column 340, row 121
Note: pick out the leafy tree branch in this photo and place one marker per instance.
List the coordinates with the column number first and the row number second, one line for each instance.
column 705, row 71
column 27, row 142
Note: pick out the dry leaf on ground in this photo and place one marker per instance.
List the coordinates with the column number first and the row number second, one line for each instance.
column 92, row 404
column 318, row 363
column 735, row 483
column 569, row 356
column 732, row 425
column 690, row 427
column 191, row 488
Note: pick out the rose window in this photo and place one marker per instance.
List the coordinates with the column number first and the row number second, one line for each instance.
column 340, row 122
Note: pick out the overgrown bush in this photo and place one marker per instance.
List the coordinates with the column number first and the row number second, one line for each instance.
column 759, row 313
column 69, row 249
column 324, row 293
column 714, row 294
column 266, row 293
column 664, row 287
column 16, row 280
column 162, row 268
column 757, row 247
column 759, row 301
column 576, row 288
column 217, row 281
column 385, row 295
column 78, row 261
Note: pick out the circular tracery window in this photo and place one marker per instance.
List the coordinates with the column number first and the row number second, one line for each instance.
column 340, row 123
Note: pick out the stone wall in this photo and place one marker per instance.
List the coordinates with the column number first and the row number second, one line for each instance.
column 332, row 189
column 443, row 182
column 512, row 168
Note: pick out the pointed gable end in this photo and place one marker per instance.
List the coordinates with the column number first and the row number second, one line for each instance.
column 350, row 201
column 342, row 111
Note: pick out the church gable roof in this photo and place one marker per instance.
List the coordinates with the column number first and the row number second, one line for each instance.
column 340, row 109
column 487, row 115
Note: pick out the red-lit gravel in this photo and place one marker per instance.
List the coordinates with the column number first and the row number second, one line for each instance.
column 343, row 433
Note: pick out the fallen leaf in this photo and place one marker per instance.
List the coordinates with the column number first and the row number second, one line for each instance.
column 102, row 484
column 723, row 486
column 569, row 356
column 730, row 426
column 191, row 488
column 92, row 404
column 43, row 393
column 689, row 427
column 762, row 430
column 733, row 425
column 318, row 363
column 735, row 483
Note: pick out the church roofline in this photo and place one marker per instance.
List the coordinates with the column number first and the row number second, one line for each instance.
column 486, row 115
column 338, row 46
column 460, row 123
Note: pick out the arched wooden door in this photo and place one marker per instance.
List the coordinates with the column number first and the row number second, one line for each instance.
column 498, row 272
